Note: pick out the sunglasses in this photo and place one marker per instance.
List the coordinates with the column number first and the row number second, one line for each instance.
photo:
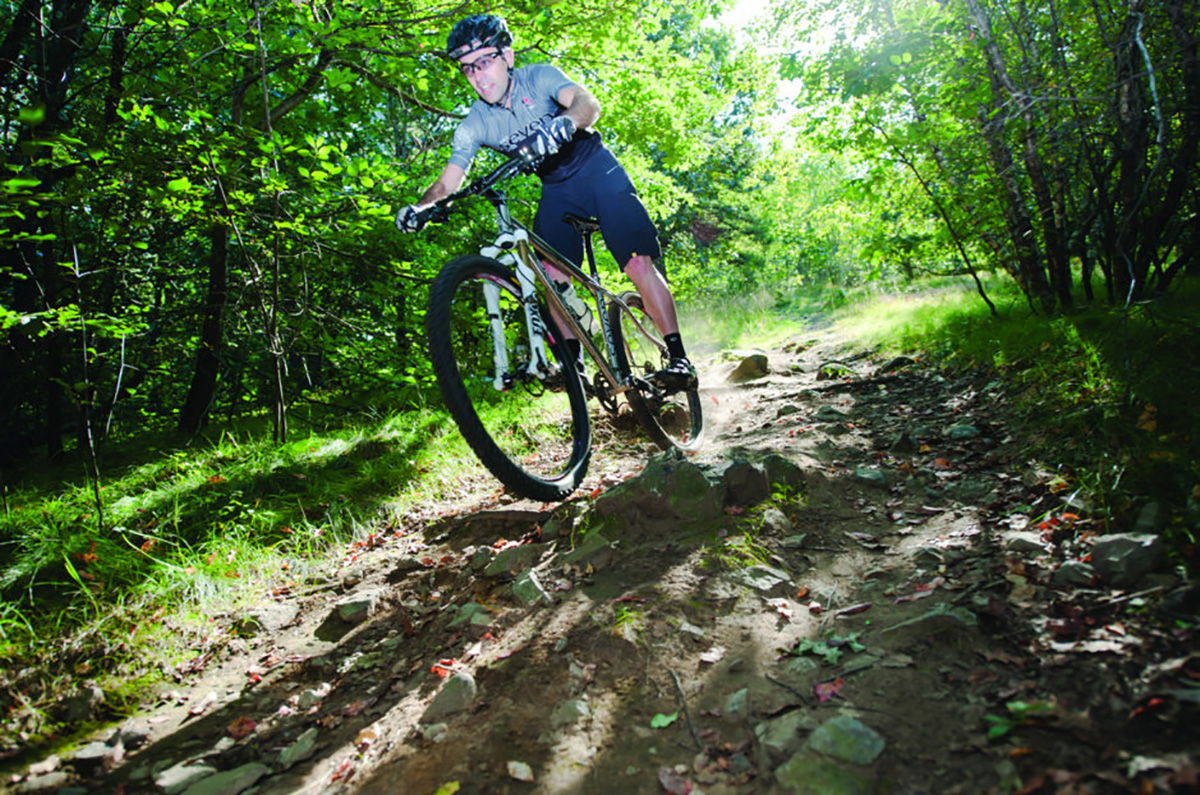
column 481, row 63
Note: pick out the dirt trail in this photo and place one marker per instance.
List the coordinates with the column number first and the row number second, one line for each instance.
column 846, row 624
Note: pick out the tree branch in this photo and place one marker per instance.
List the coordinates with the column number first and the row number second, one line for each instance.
column 389, row 88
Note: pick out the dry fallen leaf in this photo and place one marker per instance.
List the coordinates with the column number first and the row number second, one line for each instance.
column 344, row 771
column 673, row 783
column 715, row 654
column 242, row 727
column 827, row 690
column 782, row 606
column 203, row 706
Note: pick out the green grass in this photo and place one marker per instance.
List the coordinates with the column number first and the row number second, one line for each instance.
column 760, row 320
column 190, row 531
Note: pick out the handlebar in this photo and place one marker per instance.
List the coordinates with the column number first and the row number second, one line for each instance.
column 439, row 211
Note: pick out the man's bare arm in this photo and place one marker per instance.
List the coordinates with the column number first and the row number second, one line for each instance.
column 451, row 180
column 580, row 104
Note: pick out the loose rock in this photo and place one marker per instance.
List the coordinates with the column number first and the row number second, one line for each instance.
column 1124, row 558
column 750, row 368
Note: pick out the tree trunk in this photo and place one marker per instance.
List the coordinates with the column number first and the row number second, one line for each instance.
column 1132, row 142
column 1053, row 238
column 1186, row 143
column 208, row 358
column 14, row 39
column 1030, row 275
column 1032, row 279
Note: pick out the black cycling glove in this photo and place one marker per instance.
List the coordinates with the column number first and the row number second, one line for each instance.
column 547, row 137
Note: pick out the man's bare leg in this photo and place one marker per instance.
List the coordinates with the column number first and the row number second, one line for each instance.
column 656, row 295
column 660, row 305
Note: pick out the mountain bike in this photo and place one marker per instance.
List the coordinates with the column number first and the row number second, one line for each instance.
column 502, row 364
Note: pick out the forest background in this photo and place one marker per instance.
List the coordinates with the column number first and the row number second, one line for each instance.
column 198, row 246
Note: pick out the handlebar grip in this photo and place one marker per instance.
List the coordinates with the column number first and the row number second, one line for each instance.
column 435, row 214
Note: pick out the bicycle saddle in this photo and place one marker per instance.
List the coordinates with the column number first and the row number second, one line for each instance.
column 584, row 226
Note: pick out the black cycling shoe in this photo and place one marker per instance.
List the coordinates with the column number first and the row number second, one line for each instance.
column 678, row 376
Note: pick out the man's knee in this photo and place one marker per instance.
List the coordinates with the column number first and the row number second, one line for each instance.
column 641, row 267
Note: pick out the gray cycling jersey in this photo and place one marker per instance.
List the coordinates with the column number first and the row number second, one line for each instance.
column 532, row 100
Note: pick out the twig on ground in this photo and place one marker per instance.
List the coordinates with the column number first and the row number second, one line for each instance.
column 844, row 674
column 797, row 693
column 1113, row 600
column 687, row 715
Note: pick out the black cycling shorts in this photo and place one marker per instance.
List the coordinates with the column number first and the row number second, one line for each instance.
column 602, row 190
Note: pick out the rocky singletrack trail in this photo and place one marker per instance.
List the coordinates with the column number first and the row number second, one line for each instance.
column 860, row 584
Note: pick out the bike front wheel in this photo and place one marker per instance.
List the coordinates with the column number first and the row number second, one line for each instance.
column 535, row 440
column 672, row 420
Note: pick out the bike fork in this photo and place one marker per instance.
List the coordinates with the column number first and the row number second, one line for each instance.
column 491, row 298
column 538, row 364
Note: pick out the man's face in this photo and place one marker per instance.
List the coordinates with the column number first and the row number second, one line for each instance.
column 487, row 72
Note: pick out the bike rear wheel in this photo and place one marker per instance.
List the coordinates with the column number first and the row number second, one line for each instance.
column 537, row 442
column 672, row 421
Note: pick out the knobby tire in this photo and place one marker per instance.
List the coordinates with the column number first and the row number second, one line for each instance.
column 672, row 421
column 537, row 443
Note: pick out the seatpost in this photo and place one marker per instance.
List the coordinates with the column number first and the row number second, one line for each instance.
column 591, row 254
column 598, row 295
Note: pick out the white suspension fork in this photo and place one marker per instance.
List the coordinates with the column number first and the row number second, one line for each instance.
column 539, row 366
column 491, row 298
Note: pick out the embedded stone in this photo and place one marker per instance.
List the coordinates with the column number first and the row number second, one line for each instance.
column 809, row 773
column 300, row 750
column 514, row 560
column 456, row 695
column 230, row 782
column 750, row 368
column 848, row 739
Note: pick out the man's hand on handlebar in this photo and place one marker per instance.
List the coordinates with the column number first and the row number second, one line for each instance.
column 412, row 218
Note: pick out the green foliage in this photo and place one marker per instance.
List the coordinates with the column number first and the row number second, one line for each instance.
column 829, row 650
column 628, row 621
column 662, row 721
column 738, row 551
column 1020, row 713
column 978, row 139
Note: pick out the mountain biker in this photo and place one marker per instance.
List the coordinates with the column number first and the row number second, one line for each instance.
column 538, row 111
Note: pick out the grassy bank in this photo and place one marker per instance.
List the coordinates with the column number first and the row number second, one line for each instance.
column 1107, row 396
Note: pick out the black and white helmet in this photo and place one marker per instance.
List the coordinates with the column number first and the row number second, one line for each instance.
column 476, row 32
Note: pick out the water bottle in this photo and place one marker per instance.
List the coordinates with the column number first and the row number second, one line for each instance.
column 579, row 309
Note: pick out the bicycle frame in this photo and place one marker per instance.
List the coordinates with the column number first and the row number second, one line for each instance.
column 516, row 245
